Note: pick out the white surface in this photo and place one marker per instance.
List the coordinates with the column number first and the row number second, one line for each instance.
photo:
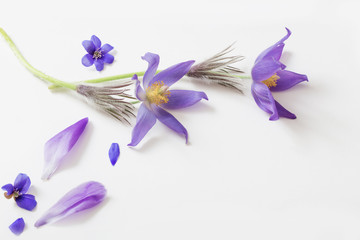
column 241, row 176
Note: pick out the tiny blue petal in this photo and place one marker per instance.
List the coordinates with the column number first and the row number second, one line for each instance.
column 18, row 226
column 114, row 153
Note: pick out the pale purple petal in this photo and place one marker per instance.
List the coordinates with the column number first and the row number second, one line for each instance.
column 99, row 64
column 96, row 41
column 108, row 58
column 58, row 147
column 9, row 188
column 83, row 197
column 145, row 120
column 170, row 121
column 18, row 226
column 106, row 48
column 283, row 112
column 26, row 201
column 139, row 92
column 87, row 60
column 153, row 60
column 89, row 46
column 264, row 99
column 172, row 74
column 114, row 153
column 265, row 69
column 287, row 80
column 183, row 98
column 22, row 183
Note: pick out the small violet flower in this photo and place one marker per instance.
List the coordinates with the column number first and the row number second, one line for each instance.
column 18, row 226
column 157, row 96
column 97, row 54
column 18, row 192
column 268, row 75
column 114, row 153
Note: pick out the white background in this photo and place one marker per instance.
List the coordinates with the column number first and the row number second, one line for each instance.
column 241, row 176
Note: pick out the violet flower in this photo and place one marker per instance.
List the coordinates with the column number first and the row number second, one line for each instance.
column 97, row 54
column 268, row 75
column 85, row 196
column 18, row 226
column 60, row 145
column 18, row 192
column 157, row 96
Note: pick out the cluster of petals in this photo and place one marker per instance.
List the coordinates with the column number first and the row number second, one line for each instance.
column 97, row 54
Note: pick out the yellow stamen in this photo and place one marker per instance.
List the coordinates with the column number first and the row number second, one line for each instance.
column 157, row 93
column 271, row 81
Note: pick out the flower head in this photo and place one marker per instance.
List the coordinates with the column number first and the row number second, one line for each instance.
column 156, row 97
column 268, row 75
column 18, row 192
column 97, row 54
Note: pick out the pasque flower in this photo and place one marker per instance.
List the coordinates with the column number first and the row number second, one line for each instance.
column 156, row 97
column 18, row 192
column 268, row 75
column 97, row 54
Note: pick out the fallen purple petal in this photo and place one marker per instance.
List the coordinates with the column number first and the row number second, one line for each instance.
column 114, row 153
column 18, row 226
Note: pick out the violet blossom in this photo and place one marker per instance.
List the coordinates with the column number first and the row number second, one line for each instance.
column 268, row 75
column 97, row 54
column 18, row 226
column 156, row 97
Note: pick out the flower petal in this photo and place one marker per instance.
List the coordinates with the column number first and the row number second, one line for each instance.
column 99, row 64
column 18, row 226
column 89, row 46
column 145, row 120
column 283, row 112
column 172, row 74
column 170, row 121
column 22, row 183
column 96, row 41
column 265, row 69
column 26, row 201
column 9, row 188
column 264, row 99
column 108, row 58
column 58, row 147
column 153, row 60
column 183, row 98
column 87, row 60
column 114, row 153
column 139, row 92
column 287, row 80
column 106, row 48
column 85, row 196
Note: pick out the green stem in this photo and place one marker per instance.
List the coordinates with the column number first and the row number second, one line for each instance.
column 135, row 102
column 35, row 71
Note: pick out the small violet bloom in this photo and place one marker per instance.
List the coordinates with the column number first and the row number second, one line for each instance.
column 97, row 54
column 18, row 226
column 157, row 96
column 114, row 153
column 85, row 196
column 59, row 146
column 18, row 192
column 268, row 75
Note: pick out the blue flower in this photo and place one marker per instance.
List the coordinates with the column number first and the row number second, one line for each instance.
column 97, row 54
column 18, row 192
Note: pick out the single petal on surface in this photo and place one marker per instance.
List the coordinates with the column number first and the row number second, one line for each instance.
column 153, row 60
column 106, row 48
column 22, row 183
column 264, row 99
column 85, row 196
column 265, row 69
column 145, row 120
column 96, row 41
column 18, row 226
column 59, row 146
column 87, row 60
column 108, row 58
column 170, row 121
column 287, row 80
column 9, row 188
column 26, row 201
column 99, row 64
column 89, row 46
column 283, row 112
column 139, row 92
column 172, row 74
column 183, row 98
column 114, row 153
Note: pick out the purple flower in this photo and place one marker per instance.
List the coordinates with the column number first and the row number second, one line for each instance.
column 97, row 54
column 60, row 145
column 18, row 192
column 268, row 75
column 85, row 196
column 18, row 226
column 114, row 153
column 157, row 96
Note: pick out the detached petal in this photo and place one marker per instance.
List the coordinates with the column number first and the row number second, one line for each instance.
column 85, row 196
column 288, row 80
column 106, row 48
column 145, row 120
column 96, row 41
column 172, row 74
column 114, row 153
column 26, row 201
column 153, row 60
column 283, row 112
column 9, row 188
column 22, row 183
column 89, row 46
column 18, row 226
column 264, row 99
column 108, row 58
column 58, row 147
column 183, row 98
column 265, row 69
column 87, row 60
column 170, row 121
column 99, row 64
column 139, row 92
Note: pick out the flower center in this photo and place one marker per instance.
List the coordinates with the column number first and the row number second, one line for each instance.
column 97, row 54
column 271, row 81
column 157, row 93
